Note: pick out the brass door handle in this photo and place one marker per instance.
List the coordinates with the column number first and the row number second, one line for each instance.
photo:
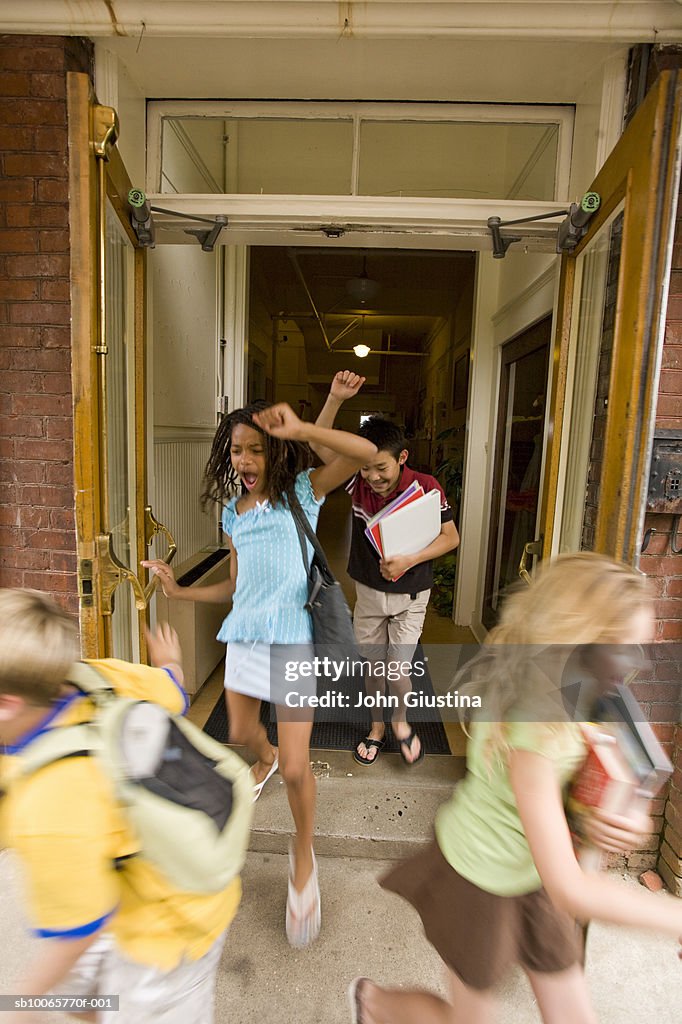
column 112, row 572
column 152, row 527
column 533, row 547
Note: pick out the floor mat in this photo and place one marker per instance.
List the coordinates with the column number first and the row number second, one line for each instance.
column 344, row 735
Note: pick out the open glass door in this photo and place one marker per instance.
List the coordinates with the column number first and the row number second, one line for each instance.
column 114, row 524
column 607, row 348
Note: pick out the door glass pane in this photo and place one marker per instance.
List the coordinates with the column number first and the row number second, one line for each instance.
column 521, row 462
column 448, row 160
column 119, row 417
column 276, row 156
column 595, row 306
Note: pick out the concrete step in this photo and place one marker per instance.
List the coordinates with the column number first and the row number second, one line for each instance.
column 380, row 812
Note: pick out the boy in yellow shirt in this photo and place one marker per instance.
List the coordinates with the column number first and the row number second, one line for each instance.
column 111, row 922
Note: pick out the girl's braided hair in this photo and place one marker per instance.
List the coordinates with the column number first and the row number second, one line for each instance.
column 284, row 460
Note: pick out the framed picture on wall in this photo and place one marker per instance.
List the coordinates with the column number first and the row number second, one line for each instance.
column 460, row 382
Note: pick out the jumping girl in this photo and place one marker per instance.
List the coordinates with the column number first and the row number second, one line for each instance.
column 265, row 450
column 501, row 883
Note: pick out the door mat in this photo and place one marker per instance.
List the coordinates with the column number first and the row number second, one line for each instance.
column 345, row 735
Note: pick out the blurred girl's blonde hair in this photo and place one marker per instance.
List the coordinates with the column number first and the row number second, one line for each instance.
column 573, row 601
column 38, row 645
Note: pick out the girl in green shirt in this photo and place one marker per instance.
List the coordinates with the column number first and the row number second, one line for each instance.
column 501, row 884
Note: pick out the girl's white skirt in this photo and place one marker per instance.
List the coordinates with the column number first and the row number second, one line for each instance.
column 278, row 673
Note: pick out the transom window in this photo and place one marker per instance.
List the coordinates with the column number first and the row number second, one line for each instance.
column 438, row 151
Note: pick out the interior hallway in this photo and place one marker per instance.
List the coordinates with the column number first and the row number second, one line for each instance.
column 334, row 530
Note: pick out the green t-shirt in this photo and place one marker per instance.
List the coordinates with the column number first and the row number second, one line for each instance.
column 479, row 829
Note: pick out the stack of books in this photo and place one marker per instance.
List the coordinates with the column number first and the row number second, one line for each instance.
column 407, row 524
column 624, row 768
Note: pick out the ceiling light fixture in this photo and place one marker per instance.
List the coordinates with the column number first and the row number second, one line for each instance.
column 361, row 351
column 362, row 288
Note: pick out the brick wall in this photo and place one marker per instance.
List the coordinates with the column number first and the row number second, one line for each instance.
column 37, row 530
column 663, row 567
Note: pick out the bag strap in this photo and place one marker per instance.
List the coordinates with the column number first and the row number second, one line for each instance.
column 305, row 530
column 88, row 680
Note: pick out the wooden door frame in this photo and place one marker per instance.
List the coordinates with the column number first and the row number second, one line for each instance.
column 643, row 173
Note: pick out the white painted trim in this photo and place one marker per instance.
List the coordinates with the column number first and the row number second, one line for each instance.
column 172, row 434
column 457, row 224
column 235, row 327
column 482, row 408
column 530, row 305
column 654, row 21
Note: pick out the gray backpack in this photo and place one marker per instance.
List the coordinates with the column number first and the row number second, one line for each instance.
column 187, row 798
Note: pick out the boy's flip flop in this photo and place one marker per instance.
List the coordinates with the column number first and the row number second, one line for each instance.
column 258, row 787
column 368, row 742
column 406, row 744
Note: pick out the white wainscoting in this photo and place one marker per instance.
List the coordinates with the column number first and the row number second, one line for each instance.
column 180, row 455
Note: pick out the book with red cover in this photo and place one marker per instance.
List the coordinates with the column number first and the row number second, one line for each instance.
column 605, row 780
column 373, row 530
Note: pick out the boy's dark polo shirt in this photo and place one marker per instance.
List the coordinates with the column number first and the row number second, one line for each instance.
column 363, row 562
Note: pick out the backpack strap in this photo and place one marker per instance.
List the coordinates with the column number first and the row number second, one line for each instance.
column 53, row 745
column 88, row 680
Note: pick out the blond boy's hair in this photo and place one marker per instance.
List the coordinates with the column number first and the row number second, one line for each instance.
column 38, row 645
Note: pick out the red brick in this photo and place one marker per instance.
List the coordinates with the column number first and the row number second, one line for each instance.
column 57, row 359
column 671, row 382
column 50, row 451
column 48, row 86
column 668, row 609
column 59, row 473
column 60, row 429
column 40, row 313
column 674, row 587
column 669, row 630
column 62, row 561
column 22, row 289
column 36, row 165
column 21, row 426
column 16, row 191
column 63, row 519
column 53, row 140
column 56, row 383
column 55, row 291
column 49, row 582
column 13, row 240
column 35, row 112
column 6, row 448
column 54, row 540
column 672, row 334
column 39, row 266
column 56, row 337
column 10, row 577
column 42, row 405
column 28, row 473
column 672, row 355
column 19, row 382
column 654, row 565
column 669, row 692
column 674, row 311
column 54, row 241
column 47, row 57
column 32, row 558
column 651, row 881
column 14, row 137
column 59, row 497
column 33, row 518
column 45, row 216
column 14, row 83
column 53, row 191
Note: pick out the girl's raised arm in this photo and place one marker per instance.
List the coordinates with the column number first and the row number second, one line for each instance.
column 350, row 450
column 584, row 896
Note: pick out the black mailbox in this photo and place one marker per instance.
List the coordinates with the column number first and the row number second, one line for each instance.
column 665, row 475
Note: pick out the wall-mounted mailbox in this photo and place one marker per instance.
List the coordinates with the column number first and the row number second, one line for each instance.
column 665, row 475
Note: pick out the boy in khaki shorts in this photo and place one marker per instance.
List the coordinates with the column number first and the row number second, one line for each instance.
column 389, row 613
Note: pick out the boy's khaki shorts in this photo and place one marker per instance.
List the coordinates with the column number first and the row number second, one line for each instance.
column 392, row 622
column 147, row 995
